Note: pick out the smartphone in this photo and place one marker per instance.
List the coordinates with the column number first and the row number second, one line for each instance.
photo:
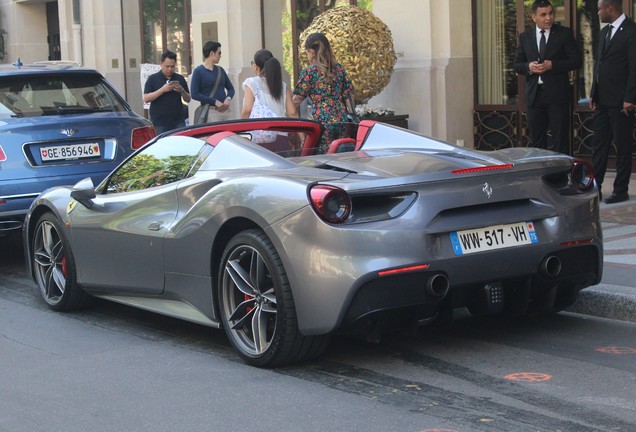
column 174, row 82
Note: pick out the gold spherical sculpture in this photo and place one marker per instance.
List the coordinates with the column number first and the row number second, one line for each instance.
column 361, row 43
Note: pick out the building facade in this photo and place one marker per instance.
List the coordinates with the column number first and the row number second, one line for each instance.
column 453, row 74
column 432, row 40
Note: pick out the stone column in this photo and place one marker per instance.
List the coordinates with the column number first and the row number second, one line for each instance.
column 433, row 42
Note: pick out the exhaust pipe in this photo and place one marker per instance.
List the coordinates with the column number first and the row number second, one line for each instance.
column 437, row 285
column 550, row 267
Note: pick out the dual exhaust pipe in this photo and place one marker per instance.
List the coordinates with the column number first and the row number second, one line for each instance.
column 438, row 284
column 550, row 267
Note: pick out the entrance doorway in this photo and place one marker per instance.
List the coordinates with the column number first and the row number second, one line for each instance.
column 53, row 30
column 499, row 114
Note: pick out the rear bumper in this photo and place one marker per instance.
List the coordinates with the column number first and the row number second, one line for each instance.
column 336, row 272
column 408, row 295
column 11, row 224
column 13, row 209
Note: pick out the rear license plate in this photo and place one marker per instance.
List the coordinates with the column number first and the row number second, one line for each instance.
column 493, row 237
column 70, row 152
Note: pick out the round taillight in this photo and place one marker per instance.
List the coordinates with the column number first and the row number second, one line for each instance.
column 582, row 175
column 332, row 204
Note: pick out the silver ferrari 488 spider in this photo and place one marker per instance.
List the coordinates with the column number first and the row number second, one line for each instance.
column 283, row 247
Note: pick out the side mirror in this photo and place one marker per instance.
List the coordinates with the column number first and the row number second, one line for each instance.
column 84, row 192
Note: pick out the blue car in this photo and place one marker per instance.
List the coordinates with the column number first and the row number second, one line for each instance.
column 59, row 123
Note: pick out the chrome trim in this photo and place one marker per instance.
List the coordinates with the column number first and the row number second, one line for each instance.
column 9, row 197
column 69, row 132
column 11, row 225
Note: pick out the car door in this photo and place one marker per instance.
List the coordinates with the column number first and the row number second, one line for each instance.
column 118, row 241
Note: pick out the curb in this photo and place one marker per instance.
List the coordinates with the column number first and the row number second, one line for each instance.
column 606, row 301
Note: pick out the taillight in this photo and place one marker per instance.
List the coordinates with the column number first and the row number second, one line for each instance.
column 332, row 204
column 582, row 174
column 141, row 136
column 3, row 156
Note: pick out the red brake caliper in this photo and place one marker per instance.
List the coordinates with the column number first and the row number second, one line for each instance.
column 64, row 265
column 248, row 297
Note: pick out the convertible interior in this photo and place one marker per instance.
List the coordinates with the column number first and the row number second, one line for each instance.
column 294, row 137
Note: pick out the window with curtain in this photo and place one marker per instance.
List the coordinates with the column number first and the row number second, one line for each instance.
column 496, row 39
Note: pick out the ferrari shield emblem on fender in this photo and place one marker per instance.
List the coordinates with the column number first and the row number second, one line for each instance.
column 70, row 206
column 487, row 190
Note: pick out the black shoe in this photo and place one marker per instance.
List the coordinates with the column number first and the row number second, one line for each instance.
column 600, row 196
column 616, row 198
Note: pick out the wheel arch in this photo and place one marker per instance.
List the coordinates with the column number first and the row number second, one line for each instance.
column 226, row 232
column 29, row 229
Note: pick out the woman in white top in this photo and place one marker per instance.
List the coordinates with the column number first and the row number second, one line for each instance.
column 266, row 95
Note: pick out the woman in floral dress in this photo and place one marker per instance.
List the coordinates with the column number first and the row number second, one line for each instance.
column 326, row 84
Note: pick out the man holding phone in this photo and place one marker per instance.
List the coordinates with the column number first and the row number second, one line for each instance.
column 165, row 91
column 545, row 55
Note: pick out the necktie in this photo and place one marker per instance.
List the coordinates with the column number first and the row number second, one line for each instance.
column 542, row 44
column 608, row 36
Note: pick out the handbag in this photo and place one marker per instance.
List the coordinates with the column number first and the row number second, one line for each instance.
column 201, row 113
column 350, row 107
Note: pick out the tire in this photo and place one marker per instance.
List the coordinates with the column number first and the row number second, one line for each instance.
column 54, row 266
column 257, row 306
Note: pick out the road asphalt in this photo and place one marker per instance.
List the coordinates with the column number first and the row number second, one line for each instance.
column 615, row 296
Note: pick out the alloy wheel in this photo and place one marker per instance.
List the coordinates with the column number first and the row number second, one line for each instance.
column 49, row 262
column 249, row 300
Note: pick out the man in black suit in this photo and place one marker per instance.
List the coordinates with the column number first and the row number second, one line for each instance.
column 613, row 96
column 545, row 55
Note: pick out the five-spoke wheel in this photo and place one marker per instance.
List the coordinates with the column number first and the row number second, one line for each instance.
column 53, row 266
column 257, row 306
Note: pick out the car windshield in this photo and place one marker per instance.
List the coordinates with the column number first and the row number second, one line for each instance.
column 38, row 95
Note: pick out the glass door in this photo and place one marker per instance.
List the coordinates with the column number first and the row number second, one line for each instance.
column 499, row 115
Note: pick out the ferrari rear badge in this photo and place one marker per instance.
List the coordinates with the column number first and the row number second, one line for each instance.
column 487, row 190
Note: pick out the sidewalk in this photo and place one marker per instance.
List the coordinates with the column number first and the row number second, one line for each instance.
column 615, row 296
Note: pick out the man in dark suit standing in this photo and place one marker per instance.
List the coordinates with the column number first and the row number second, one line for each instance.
column 545, row 55
column 613, row 96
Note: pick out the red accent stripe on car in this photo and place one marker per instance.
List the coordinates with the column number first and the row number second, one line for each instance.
column 479, row 169
column 3, row 156
column 576, row 243
column 403, row 270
